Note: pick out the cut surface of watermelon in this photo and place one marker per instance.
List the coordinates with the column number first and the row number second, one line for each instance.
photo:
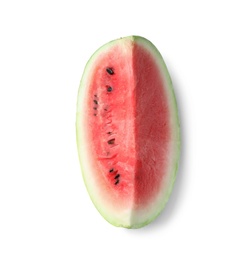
column 128, row 131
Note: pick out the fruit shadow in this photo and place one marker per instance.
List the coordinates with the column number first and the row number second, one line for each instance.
column 170, row 209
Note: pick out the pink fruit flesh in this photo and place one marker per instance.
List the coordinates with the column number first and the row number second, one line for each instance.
column 128, row 115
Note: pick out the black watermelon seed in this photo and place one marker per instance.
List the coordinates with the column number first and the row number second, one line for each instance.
column 111, row 170
column 95, row 108
column 117, row 176
column 109, row 88
column 111, row 141
column 109, row 133
column 95, row 101
column 116, row 182
column 110, row 71
column 94, row 114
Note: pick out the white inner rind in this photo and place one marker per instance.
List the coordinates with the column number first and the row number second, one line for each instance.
column 129, row 218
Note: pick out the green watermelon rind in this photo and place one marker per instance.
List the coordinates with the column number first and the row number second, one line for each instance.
column 176, row 129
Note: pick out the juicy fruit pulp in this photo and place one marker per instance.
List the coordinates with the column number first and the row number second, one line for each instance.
column 127, row 131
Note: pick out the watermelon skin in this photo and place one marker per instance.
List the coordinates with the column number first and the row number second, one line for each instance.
column 143, row 148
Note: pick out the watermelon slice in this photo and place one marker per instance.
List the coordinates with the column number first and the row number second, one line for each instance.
column 128, row 131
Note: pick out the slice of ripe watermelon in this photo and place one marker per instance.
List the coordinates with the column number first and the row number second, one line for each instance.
column 128, row 131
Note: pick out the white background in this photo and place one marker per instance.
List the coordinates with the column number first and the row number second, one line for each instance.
column 45, row 211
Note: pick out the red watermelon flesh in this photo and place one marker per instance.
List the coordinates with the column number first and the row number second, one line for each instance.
column 128, row 131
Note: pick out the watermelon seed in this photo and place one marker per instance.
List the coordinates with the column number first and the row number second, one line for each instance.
column 109, row 88
column 110, row 71
column 109, row 133
column 117, row 176
column 95, row 95
column 111, row 170
column 95, row 101
column 95, row 108
column 94, row 114
column 116, row 182
column 111, row 141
